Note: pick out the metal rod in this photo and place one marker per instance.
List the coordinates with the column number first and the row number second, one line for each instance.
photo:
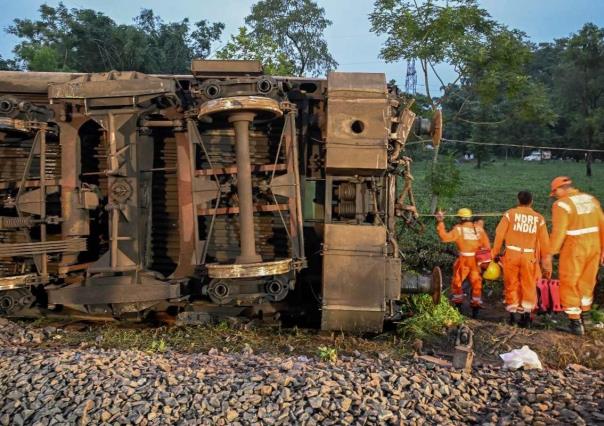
column 43, row 198
column 114, row 237
column 206, row 246
column 300, row 221
column 162, row 123
column 159, row 169
column 241, row 123
column 113, row 165
column 26, row 169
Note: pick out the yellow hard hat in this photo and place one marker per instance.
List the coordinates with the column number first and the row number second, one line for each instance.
column 464, row 213
column 493, row 272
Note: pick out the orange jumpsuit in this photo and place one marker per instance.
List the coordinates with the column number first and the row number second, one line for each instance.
column 525, row 234
column 578, row 235
column 469, row 239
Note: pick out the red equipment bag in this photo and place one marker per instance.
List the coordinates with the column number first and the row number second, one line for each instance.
column 483, row 256
column 543, row 295
column 554, row 292
column 548, row 295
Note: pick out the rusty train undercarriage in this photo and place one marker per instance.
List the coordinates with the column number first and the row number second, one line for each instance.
column 224, row 192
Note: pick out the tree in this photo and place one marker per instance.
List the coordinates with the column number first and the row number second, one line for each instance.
column 8, row 64
column 296, row 27
column 172, row 46
column 85, row 40
column 245, row 45
column 431, row 32
column 490, row 60
column 579, row 86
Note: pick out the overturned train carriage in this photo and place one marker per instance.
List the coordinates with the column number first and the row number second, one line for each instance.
column 220, row 193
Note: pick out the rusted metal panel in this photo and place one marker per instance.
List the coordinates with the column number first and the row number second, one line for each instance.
column 393, row 278
column 213, row 68
column 357, row 123
column 188, row 246
column 355, row 85
column 32, row 82
column 116, row 290
column 127, row 85
column 353, row 277
column 75, row 220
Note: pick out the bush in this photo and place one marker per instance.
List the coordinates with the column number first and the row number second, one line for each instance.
column 327, row 354
column 428, row 319
column 423, row 251
column 158, row 346
column 444, row 178
column 597, row 314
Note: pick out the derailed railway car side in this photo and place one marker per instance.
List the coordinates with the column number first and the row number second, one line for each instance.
column 225, row 192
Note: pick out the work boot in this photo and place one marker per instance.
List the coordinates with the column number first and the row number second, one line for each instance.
column 525, row 320
column 514, row 318
column 475, row 311
column 586, row 320
column 576, row 327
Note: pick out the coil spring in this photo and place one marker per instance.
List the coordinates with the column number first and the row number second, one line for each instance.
column 347, row 191
column 346, row 209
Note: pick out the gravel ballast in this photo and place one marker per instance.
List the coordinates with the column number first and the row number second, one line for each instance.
column 95, row 386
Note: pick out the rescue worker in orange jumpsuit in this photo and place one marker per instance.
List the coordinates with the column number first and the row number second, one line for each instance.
column 525, row 234
column 468, row 238
column 578, row 235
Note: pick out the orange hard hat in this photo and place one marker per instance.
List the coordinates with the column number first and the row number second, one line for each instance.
column 558, row 182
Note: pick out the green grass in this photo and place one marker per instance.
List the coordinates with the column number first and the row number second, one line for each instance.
column 226, row 338
column 492, row 188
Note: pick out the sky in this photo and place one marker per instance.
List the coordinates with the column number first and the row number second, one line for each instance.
column 349, row 39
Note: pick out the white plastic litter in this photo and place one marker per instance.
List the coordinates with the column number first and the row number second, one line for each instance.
column 523, row 357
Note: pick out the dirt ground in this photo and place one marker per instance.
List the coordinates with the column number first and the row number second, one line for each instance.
column 492, row 337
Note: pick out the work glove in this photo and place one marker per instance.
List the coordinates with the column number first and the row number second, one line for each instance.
column 440, row 216
column 495, row 256
column 546, row 266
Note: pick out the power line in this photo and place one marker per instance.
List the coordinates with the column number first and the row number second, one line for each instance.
column 523, row 146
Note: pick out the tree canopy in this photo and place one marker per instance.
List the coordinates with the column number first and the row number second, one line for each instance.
column 579, row 84
column 85, row 40
column 246, row 45
column 488, row 58
column 296, row 28
column 7, row 64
